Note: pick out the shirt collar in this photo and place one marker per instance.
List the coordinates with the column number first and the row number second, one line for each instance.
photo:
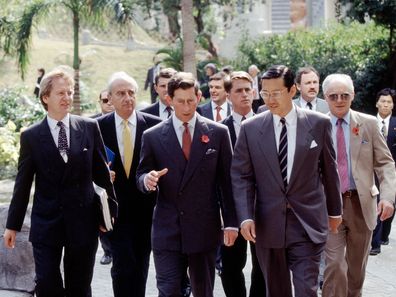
column 346, row 118
column 223, row 106
column 387, row 119
column 238, row 118
column 177, row 123
column 52, row 123
column 304, row 103
column 291, row 117
column 162, row 106
column 131, row 120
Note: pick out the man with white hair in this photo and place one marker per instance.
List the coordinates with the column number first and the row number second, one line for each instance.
column 130, row 241
column 361, row 152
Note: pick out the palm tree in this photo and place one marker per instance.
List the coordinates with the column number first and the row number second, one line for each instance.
column 188, row 29
column 90, row 10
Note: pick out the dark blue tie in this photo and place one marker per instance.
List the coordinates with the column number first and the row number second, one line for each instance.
column 282, row 152
column 62, row 139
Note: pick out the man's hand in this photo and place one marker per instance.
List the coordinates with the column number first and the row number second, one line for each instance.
column 229, row 237
column 112, row 173
column 248, row 231
column 385, row 209
column 151, row 178
column 9, row 238
column 334, row 223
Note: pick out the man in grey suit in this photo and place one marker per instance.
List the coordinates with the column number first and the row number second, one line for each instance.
column 286, row 187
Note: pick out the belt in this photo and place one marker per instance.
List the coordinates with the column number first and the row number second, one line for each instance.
column 349, row 193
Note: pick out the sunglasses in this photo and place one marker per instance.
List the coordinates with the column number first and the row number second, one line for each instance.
column 104, row 100
column 344, row 97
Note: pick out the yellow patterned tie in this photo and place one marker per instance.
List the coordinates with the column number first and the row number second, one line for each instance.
column 128, row 147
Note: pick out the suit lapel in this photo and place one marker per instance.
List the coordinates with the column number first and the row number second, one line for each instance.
column 303, row 141
column 141, row 125
column 390, row 139
column 267, row 144
column 198, row 149
column 49, row 148
column 355, row 138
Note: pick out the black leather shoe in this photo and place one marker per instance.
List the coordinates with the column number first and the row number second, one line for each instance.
column 384, row 242
column 375, row 251
column 106, row 259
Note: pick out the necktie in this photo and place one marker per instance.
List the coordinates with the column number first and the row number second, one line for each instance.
column 282, row 152
column 309, row 104
column 243, row 118
column 383, row 129
column 128, row 147
column 62, row 140
column 342, row 160
column 218, row 116
column 186, row 141
column 169, row 110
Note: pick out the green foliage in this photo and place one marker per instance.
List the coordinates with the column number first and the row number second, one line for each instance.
column 9, row 148
column 357, row 50
column 172, row 56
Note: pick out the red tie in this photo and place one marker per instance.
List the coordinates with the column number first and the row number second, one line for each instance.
column 186, row 146
column 342, row 160
column 218, row 116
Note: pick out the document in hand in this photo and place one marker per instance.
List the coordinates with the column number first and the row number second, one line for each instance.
column 105, row 216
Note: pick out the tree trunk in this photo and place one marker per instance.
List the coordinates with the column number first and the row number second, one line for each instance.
column 76, row 64
column 188, row 37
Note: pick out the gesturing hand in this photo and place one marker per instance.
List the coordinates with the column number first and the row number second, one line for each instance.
column 151, row 178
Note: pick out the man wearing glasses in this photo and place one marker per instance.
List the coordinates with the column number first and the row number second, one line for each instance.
column 105, row 105
column 286, row 187
column 361, row 152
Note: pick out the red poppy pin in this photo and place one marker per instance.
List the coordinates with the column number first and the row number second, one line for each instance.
column 204, row 138
column 355, row 130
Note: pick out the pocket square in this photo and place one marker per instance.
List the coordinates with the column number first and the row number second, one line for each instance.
column 85, row 149
column 364, row 141
column 313, row 144
column 210, row 151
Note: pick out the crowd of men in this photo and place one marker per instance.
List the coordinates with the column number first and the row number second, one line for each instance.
column 303, row 182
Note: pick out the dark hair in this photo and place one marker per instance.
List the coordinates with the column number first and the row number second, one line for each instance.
column 280, row 71
column 164, row 73
column 42, row 71
column 386, row 92
column 227, row 69
column 305, row 70
column 101, row 92
column 221, row 76
column 239, row 75
column 182, row 80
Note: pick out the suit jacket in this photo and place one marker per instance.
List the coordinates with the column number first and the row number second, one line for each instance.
column 313, row 189
column 152, row 109
column 370, row 154
column 187, row 214
column 134, row 207
column 64, row 210
column 391, row 138
column 229, row 122
column 150, row 83
column 205, row 110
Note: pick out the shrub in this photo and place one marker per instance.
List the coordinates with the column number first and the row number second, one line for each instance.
column 9, row 149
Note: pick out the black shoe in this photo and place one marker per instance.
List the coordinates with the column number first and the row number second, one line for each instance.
column 385, row 242
column 106, row 259
column 375, row 251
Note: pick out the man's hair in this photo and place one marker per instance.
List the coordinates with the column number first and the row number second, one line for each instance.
column 338, row 77
column 221, row 75
column 239, row 75
column 227, row 69
column 280, row 71
column 253, row 67
column 164, row 73
column 42, row 71
column 122, row 76
column 305, row 70
column 182, row 80
column 101, row 92
column 47, row 82
column 386, row 92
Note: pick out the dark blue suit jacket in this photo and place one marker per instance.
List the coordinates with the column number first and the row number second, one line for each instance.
column 187, row 214
column 152, row 109
column 64, row 210
column 229, row 122
column 205, row 110
column 391, row 138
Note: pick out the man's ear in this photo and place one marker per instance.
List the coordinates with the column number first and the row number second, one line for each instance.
column 293, row 90
column 168, row 100
column 298, row 86
column 199, row 96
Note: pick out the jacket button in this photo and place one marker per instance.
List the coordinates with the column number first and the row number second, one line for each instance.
column 182, row 213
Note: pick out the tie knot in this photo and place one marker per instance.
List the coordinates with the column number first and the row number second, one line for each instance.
column 125, row 123
column 383, row 122
column 185, row 125
column 283, row 121
column 218, row 108
column 339, row 122
column 60, row 124
column 243, row 118
column 309, row 104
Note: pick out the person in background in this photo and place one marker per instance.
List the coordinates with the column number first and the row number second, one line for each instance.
column 40, row 73
column 210, row 69
column 254, row 73
column 150, row 78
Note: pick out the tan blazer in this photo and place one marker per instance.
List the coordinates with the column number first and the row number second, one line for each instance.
column 370, row 154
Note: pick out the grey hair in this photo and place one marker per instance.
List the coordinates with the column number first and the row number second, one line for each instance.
column 122, row 76
column 338, row 77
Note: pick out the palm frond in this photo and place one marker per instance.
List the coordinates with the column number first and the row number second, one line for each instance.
column 173, row 56
column 7, row 35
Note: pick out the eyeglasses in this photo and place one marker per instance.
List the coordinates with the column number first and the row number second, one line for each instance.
column 104, row 100
column 334, row 97
column 122, row 94
column 274, row 94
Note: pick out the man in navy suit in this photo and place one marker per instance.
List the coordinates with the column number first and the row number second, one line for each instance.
column 130, row 239
column 286, row 187
column 161, row 108
column 186, row 159
column 218, row 108
column 64, row 154
column 241, row 93
column 150, row 79
column 387, row 126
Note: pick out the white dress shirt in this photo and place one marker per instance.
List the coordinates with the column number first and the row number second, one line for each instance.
column 386, row 121
column 119, row 129
column 223, row 111
column 179, row 128
column 163, row 113
column 237, row 120
column 304, row 103
column 54, row 128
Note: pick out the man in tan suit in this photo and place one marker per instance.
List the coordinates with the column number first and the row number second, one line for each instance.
column 361, row 151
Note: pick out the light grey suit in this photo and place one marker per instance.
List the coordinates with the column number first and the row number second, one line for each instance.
column 285, row 216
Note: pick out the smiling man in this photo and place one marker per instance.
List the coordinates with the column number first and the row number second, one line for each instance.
column 286, row 187
column 186, row 159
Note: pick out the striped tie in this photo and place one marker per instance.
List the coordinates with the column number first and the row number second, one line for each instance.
column 282, row 152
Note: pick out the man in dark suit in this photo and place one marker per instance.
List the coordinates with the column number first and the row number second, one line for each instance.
column 387, row 126
column 185, row 159
column 218, row 108
column 241, row 93
column 130, row 240
column 286, row 187
column 150, row 79
column 64, row 154
column 161, row 108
